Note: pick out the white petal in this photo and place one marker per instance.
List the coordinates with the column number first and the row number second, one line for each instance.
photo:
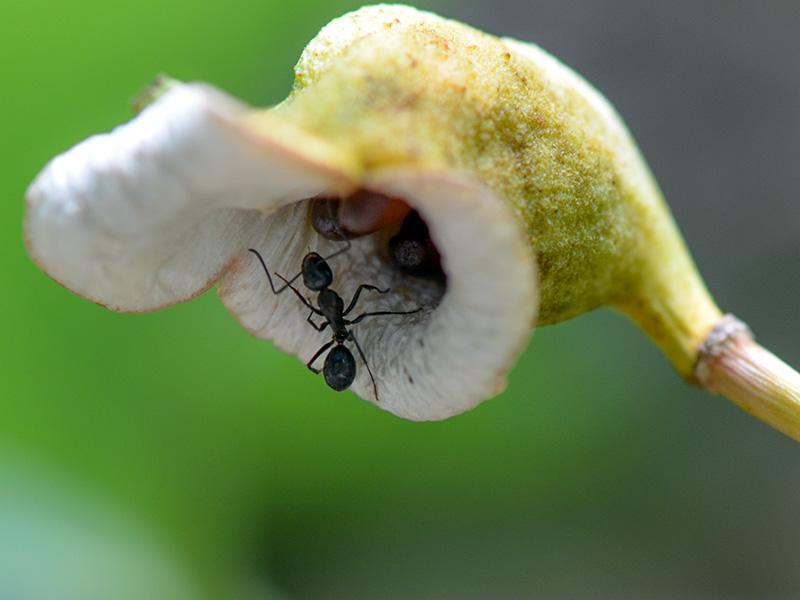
column 429, row 365
column 151, row 213
column 462, row 356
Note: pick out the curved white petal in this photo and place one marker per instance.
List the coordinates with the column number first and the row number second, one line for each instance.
column 428, row 365
column 150, row 214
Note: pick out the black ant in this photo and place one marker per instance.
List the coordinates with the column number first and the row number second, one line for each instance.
column 339, row 369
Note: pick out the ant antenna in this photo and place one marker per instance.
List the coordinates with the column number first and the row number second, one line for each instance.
column 313, row 262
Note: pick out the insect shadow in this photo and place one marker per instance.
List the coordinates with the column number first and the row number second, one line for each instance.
column 339, row 368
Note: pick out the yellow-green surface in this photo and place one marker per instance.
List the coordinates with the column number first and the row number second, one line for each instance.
column 170, row 455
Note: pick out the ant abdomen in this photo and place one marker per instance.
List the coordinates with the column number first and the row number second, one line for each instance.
column 339, row 369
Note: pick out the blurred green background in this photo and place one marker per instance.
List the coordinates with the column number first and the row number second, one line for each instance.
column 172, row 456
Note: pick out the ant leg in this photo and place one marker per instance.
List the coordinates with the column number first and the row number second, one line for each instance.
column 359, row 318
column 266, row 270
column 340, row 250
column 366, row 364
column 269, row 278
column 303, row 299
column 314, row 325
column 358, row 293
column 316, row 356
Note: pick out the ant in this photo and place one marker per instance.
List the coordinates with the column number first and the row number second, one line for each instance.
column 339, row 368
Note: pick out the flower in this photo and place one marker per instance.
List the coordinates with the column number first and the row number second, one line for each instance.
column 511, row 182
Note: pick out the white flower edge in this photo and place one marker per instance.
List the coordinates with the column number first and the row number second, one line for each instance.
column 150, row 214
column 158, row 210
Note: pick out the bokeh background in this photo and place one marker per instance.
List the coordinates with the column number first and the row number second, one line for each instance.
column 172, row 456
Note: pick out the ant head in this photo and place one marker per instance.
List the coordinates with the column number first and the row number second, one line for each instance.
column 317, row 275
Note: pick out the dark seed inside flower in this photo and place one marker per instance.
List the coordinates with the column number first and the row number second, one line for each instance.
column 413, row 252
column 324, row 215
column 351, row 217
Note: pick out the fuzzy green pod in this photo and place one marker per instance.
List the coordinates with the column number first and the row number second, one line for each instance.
column 401, row 88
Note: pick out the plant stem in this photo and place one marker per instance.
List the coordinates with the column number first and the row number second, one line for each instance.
column 732, row 364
